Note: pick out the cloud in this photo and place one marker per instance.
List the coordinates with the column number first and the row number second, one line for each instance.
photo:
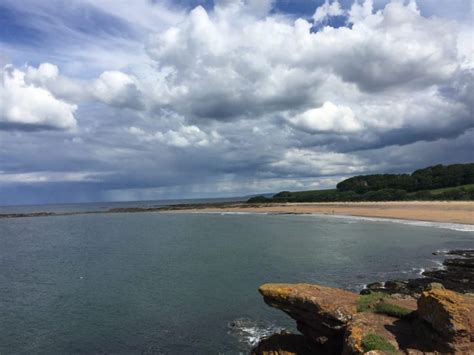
column 304, row 162
column 185, row 136
column 208, row 70
column 113, row 88
column 41, row 177
column 117, row 89
column 327, row 118
column 326, row 10
column 232, row 98
column 29, row 107
column 45, row 73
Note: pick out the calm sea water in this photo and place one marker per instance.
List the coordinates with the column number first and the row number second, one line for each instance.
column 104, row 206
column 176, row 283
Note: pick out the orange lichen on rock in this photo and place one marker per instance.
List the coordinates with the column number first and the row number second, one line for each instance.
column 451, row 315
column 329, row 321
column 332, row 303
column 321, row 313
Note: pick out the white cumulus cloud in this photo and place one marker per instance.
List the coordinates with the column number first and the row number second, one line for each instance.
column 27, row 106
column 327, row 118
column 326, row 10
column 117, row 89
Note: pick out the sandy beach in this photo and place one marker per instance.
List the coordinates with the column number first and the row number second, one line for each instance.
column 434, row 211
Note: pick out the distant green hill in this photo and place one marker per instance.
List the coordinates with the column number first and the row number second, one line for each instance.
column 451, row 182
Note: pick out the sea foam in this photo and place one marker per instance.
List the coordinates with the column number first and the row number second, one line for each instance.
column 452, row 226
column 250, row 332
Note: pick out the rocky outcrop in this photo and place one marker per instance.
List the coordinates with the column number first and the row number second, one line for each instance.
column 398, row 333
column 451, row 316
column 456, row 275
column 334, row 321
column 417, row 316
column 321, row 313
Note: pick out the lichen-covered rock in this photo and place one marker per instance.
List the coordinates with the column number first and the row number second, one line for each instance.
column 321, row 313
column 328, row 319
column 396, row 332
column 451, row 316
column 335, row 305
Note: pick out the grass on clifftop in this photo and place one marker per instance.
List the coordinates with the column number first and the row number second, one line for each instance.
column 392, row 310
column 376, row 342
column 376, row 302
column 366, row 303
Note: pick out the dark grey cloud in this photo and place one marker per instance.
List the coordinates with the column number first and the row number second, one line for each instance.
column 208, row 110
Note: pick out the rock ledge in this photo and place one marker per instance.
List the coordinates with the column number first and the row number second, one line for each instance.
column 331, row 322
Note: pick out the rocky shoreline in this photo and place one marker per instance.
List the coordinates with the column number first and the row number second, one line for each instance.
column 457, row 274
column 429, row 315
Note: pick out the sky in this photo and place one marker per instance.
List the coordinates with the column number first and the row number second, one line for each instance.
column 116, row 100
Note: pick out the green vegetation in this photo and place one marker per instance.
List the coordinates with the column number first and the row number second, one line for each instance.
column 433, row 177
column 392, row 310
column 258, row 199
column 366, row 303
column 452, row 182
column 376, row 342
column 468, row 187
column 377, row 302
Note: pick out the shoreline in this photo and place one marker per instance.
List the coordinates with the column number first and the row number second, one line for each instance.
column 456, row 226
column 458, row 212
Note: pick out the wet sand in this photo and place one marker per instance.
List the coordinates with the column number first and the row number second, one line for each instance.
column 434, row 211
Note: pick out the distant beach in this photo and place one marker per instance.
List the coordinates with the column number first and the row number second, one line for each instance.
column 433, row 211
column 456, row 212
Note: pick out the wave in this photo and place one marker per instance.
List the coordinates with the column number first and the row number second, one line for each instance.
column 452, row 226
column 354, row 219
column 250, row 332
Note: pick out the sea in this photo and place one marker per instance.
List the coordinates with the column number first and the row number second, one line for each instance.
column 186, row 283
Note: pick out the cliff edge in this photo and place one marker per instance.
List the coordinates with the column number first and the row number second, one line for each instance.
column 335, row 321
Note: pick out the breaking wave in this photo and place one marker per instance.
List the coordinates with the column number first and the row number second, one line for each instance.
column 250, row 332
column 452, row 226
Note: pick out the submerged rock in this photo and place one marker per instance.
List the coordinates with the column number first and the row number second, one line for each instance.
column 467, row 253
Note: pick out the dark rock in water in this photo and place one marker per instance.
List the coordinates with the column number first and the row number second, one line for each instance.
column 458, row 275
column 396, row 286
column 467, row 253
column 284, row 344
column 462, row 263
column 375, row 285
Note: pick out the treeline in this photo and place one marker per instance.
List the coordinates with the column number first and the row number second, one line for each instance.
column 453, row 182
column 433, row 177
